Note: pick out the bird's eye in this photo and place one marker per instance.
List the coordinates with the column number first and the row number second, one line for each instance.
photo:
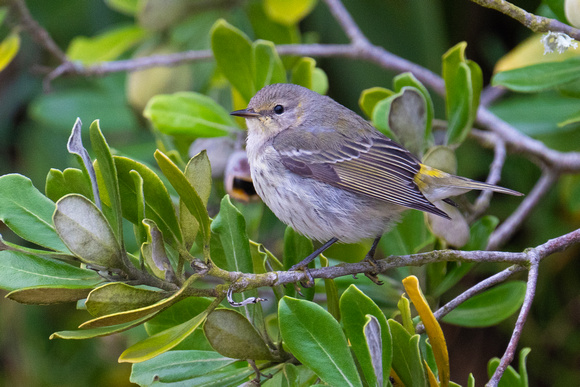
column 278, row 109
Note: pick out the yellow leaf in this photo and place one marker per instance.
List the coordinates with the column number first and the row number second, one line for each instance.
column 432, row 328
column 288, row 12
column 529, row 52
column 8, row 49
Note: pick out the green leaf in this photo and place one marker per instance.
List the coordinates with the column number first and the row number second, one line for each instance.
column 539, row 76
column 71, row 180
column 510, row 377
column 408, row 79
column 8, row 49
column 229, row 227
column 19, row 270
column 105, row 47
column 50, row 294
column 408, row 237
column 86, row 232
column 97, row 332
column 187, row 193
column 522, row 366
column 179, row 313
column 480, row 231
column 286, row 377
column 305, row 73
column 161, row 342
column 232, row 51
column 315, row 338
column 150, row 310
column 153, row 252
column 288, row 12
column 109, row 174
column 463, row 83
column 355, row 306
column 372, row 333
column 139, row 228
column 27, row 212
column 232, row 335
column 490, row 307
column 266, row 28
column 296, row 248
column 188, row 114
column 119, row 297
column 158, row 204
column 407, row 361
column 198, row 173
column 267, row 65
column 406, row 118
column 370, row 97
column 176, row 366
column 332, row 300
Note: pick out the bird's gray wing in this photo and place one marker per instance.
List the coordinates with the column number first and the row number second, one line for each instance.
column 366, row 163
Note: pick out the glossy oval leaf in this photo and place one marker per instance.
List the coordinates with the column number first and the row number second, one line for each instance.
column 355, row 306
column 232, row 51
column 407, row 362
column 27, row 212
column 539, row 76
column 71, row 180
column 189, row 114
column 150, row 310
column 158, row 204
column 198, row 174
column 315, row 338
column 177, row 366
column 370, row 97
column 463, row 83
column 118, row 297
column 44, row 295
column 86, row 232
column 267, row 65
column 490, row 307
column 19, row 270
column 407, row 119
column 186, row 193
column 305, row 73
column 83, row 334
column 161, row 342
column 109, row 174
column 232, row 335
column 409, row 80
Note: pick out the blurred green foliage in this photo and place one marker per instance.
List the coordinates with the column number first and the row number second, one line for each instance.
column 35, row 125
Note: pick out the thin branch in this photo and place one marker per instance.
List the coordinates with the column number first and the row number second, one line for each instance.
column 513, row 222
column 533, row 22
column 350, row 28
column 478, row 288
column 482, row 202
column 39, row 34
column 509, row 354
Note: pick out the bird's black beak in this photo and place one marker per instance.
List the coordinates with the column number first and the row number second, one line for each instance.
column 246, row 113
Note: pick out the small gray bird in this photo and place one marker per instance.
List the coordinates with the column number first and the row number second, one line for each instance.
column 330, row 175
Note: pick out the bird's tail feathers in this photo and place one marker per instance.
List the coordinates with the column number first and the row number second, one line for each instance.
column 437, row 185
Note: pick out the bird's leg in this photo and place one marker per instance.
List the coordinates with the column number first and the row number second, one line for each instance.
column 371, row 254
column 302, row 264
column 370, row 258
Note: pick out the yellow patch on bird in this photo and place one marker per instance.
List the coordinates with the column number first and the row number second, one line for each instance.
column 427, row 170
